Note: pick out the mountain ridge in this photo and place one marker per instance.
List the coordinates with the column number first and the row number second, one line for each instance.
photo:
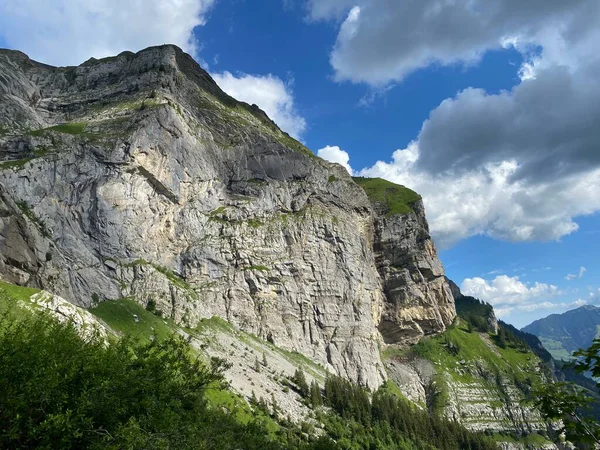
column 136, row 176
column 564, row 333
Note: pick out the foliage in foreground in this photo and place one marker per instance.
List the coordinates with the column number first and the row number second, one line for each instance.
column 61, row 392
column 568, row 402
column 57, row 391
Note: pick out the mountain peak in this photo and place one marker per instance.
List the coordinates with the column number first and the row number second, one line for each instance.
column 562, row 334
column 137, row 176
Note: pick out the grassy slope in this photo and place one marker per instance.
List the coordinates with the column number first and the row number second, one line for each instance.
column 474, row 352
column 510, row 362
column 394, row 198
column 10, row 295
column 119, row 316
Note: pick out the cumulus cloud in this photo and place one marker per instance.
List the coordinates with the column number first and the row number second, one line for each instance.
column 575, row 276
column 488, row 200
column 68, row 32
column 270, row 93
column 509, row 294
column 335, row 154
column 414, row 34
column 549, row 125
column 505, row 290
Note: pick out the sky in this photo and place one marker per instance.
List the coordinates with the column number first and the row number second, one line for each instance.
column 488, row 109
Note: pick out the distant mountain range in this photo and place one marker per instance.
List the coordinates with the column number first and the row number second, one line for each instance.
column 562, row 334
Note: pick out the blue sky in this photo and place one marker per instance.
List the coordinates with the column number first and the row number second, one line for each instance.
column 488, row 110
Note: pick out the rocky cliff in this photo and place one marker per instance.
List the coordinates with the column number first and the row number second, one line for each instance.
column 479, row 372
column 137, row 177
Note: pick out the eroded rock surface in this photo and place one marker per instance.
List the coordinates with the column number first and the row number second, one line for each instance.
column 136, row 176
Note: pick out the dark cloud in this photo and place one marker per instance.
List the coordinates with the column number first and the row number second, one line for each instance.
column 384, row 40
column 549, row 125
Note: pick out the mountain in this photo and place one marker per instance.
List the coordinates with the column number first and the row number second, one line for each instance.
column 137, row 177
column 562, row 334
column 135, row 189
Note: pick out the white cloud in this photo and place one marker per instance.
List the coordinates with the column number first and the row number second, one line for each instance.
column 270, row 93
column 595, row 296
column 531, row 307
column 509, row 295
column 68, row 32
column 507, row 164
column 575, row 276
column 489, row 201
column 504, row 290
column 327, row 9
column 335, row 154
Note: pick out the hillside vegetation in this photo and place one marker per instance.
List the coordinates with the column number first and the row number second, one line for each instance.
column 393, row 198
column 155, row 391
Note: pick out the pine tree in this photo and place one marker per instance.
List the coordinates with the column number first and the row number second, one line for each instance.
column 300, row 381
column 315, row 395
column 275, row 406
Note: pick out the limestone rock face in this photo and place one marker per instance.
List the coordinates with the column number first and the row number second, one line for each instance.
column 418, row 300
column 136, row 176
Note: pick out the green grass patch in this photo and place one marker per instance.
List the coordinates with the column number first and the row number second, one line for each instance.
column 173, row 277
column 256, row 181
column 255, row 223
column 439, row 399
column 13, row 292
column 395, row 199
column 39, row 152
column 73, row 128
column 119, row 315
column 215, row 323
column 292, row 143
column 331, row 178
column 534, row 440
column 392, row 388
column 391, row 352
column 242, row 411
column 457, row 350
column 14, row 164
column 10, row 297
column 70, row 128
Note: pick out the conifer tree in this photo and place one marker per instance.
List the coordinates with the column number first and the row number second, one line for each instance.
column 315, row 395
column 300, row 381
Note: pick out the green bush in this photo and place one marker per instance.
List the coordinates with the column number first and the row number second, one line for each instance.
column 58, row 391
